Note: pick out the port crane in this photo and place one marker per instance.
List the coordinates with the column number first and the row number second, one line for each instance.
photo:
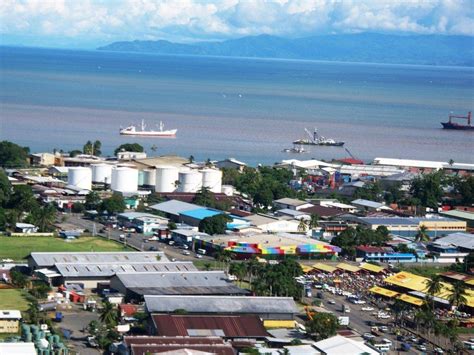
column 468, row 117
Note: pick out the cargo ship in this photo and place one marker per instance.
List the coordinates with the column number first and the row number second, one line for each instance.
column 161, row 132
column 316, row 139
column 453, row 125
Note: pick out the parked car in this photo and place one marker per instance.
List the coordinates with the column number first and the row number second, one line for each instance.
column 332, row 302
column 438, row 351
column 421, row 347
column 92, row 342
column 383, row 329
column 199, row 256
column 368, row 336
column 367, row 309
column 185, row 252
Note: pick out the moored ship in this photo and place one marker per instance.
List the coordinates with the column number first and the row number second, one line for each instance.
column 161, row 132
column 454, row 125
column 316, row 139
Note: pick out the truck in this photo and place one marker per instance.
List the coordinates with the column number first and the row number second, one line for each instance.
column 58, row 317
column 344, row 321
column 345, row 309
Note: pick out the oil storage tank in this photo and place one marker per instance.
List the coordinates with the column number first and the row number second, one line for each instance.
column 189, row 181
column 124, row 179
column 80, row 177
column 101, row 173
column 166, row 177
column 149, row 177
column 212, row 179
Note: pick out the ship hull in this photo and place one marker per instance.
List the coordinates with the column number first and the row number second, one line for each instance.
column 449, row 125
column 336, row 144
column 171, row 133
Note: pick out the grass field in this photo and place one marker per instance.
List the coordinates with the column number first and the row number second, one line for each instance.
column 13, row 299
column 18, row 248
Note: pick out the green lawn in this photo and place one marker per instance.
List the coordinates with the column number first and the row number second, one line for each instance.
column 18, row 248
column 13, row 299
column 213, row 264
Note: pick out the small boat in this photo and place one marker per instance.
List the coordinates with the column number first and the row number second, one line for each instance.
column 161, row 132
column 295, row 149
column 316, row 139
column 453, row 125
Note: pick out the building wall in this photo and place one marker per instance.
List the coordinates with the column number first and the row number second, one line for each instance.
column 89, row 283
column 9, row 325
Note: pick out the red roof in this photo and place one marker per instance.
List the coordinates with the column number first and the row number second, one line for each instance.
column 128, row 310
column 370, row 249
column 245, row 326
column 322, row 211
column 351, row 161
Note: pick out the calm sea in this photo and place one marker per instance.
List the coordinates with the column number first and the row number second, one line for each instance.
column 250, row 109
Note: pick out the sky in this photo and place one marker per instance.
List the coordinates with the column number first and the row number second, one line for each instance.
column 92, row 23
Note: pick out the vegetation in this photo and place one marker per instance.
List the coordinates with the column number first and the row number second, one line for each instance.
column 129, row 147
column 205, row 197
column 13, row 299
column 428, row 188
column 350, row 238
column 322, row 326
column 18, row 248
column 92, row 148
column 422, row 235
column 214, row 225
column 112, row 205
column 13, row 156
column 92, row 201
column 109, row 314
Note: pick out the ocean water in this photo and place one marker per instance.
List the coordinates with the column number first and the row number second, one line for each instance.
column 250, row 109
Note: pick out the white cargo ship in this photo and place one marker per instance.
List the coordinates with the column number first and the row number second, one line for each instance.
column 161, row 132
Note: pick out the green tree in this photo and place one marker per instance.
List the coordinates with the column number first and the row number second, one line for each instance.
column 464, row 187
column 434, row 286
column 113, row 205
column 428, row 188
column 92, row 201
column 5, row 189
column 75, row 153
column 18, row 278
column 93, row 327
column 171, row 225
column 23, row 199
column 239, row 270
column 314, row 221
column 458, row 294
column 43, row 217
column 129, row 147
column 204, row 197
column 214, row 225
column 96, row 148
column 322, row 326
column 88, row 148
column 13, row 156
column 191, row 159
column 422, row 234
column 109, row 314
column 302, row 227
column 40, row 290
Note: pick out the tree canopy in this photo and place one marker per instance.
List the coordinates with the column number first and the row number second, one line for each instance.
column 13, row 156
column 129, row 147
column 114, row 204
column 214, row 225
column 428, row 188
column 348, row 239
column 322, row 326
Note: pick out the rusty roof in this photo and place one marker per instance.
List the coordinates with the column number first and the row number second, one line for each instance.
column 248, row 326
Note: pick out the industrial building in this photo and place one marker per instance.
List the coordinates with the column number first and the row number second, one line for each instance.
column 39, row 260
column 424, row 165
column 409, row 226
column 10, row 321
column 172, row 209
column 227, row 327
column 338, row 345
column 367, row 205
column 464, row 241
column 466, row 216
column 135, row 286
column 291, row 203
column 271, row 224
column 274, row 311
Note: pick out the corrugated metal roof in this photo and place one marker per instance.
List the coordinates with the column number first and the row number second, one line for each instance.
column 45, row 259
column 228, row 326
column 219, row 304
column 367, row 203
column 338, row 345
column 184, row 349
column 459, row 214
column 201, row 213
column 174, row 207
column 108, row 269
column 464, row 240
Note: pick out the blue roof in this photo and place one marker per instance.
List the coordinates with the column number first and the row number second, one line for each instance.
column 201, row 213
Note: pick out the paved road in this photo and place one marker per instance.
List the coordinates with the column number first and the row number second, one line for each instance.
column 138, row 241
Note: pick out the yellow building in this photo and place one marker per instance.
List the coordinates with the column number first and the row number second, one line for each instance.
column 10, row 321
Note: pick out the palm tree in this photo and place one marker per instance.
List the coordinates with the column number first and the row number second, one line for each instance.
column 313, row 222
column 434, row 287
column 302, row 226
column 422, row 235
column 109, row 314
column 44, row 217
column 457, row 298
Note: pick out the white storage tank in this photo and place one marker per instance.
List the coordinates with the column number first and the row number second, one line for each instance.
column 102, row 173
column 212, row 179
column 228, row 190
column 149, row 177
column 189, row 181
column 80, row 177
column 166, row 177
column 124, row 179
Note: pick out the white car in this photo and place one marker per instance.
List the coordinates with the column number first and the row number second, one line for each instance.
column 153, row 238
column 368, row 336
column 421, row 347
column 383, row 316
column 367, row 309
column 185, row 252
column 332, row 302
column 199, row 256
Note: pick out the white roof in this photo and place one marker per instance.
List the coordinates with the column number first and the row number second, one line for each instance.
column 463, row 240
column 10, row 314
column 18, row 348
column 308, row 164
column 338, row 205
column 25, row 225
column 338, row 345
column 411, row 163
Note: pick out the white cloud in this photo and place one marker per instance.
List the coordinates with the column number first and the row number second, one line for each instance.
column 105, row 20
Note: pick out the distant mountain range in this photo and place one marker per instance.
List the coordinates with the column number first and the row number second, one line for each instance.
column 363, row 47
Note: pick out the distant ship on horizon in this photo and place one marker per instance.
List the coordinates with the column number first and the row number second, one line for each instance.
column 316, row 139
column 161, row 132
column 453, row 125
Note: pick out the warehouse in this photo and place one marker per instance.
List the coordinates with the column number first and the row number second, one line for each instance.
column 274, row 311
column 90, row 275
column 46, row 259
column 173, row 208
column 135, row 286
column 228, row 327
column 466, row 216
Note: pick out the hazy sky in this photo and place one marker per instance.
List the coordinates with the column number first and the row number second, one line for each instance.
column 89, row 23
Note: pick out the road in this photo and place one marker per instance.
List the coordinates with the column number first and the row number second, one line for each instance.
column 137, row 241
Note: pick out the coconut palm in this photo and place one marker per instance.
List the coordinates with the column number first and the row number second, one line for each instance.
column 302, row 227
column 434, row 287
column 457, row 298
column 109, row 314
column 44, row 217
column 314, row 221
column 422, row 235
